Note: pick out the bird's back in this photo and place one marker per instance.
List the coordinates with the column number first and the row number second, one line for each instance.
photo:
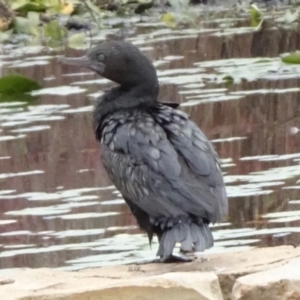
column 199, row 161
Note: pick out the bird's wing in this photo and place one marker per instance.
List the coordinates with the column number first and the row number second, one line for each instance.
column 195, row 149
column 148, row 169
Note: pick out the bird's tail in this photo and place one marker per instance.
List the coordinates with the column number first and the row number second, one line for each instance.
column 192, row 236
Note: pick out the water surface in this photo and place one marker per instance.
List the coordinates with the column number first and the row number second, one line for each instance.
column 57, row 206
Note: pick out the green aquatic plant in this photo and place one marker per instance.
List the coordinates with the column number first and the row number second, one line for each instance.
column 17, row 84
column 291, row 58
column 169, row 19
column 50, row 6
column 256, row 16
column 16, row 88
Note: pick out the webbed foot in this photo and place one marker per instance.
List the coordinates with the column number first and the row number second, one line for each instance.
column 178, row 259
column 169, row 260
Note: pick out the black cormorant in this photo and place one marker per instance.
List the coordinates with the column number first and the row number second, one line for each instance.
column 164, row 166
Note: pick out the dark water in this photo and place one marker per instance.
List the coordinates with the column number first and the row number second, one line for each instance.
column 57, row 206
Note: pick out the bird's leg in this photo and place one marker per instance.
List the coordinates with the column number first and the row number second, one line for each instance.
column 177, row 259
column 169, row 260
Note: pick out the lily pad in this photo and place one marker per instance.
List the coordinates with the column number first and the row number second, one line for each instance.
column 27, row 25
column 76, row 41
column 17, row 84
column 256, row 16
column 291, row 58
column 291, row 17
column 228, row 79
column 5, row 36
column 169, row 19
column 17, row 4
column 55, row 31
column 29, row 5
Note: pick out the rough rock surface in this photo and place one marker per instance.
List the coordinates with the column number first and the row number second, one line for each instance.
column 281, row 283
column 268, row 273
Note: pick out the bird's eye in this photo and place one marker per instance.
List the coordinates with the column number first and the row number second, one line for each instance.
column 101, row 57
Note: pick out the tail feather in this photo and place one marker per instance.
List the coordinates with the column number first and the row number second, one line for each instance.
column 179, row 231
column 202, row 237
column 190, row 235
column 166, row 246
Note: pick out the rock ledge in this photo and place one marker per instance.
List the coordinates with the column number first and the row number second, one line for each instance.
column 258, row 274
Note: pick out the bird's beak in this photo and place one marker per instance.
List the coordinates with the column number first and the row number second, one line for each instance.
column 83, row 61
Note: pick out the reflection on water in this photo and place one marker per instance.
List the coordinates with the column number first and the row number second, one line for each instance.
column 57, row 206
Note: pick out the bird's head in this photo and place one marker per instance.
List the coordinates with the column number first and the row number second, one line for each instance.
column 118, row 61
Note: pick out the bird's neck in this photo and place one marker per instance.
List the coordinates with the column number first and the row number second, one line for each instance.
column 120, row 98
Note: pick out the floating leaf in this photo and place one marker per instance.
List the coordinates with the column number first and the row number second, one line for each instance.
column 256, row 16
column 5, row 36
column 169, row 19
column 291, row 17
column 55, row 31
column 29, row 5
column 34, row 18
column 17, row 84
column 76, row 41
column 292, row 58
column 228, row 79
column 21, row 25
column 17, row 4
column 25, row 25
